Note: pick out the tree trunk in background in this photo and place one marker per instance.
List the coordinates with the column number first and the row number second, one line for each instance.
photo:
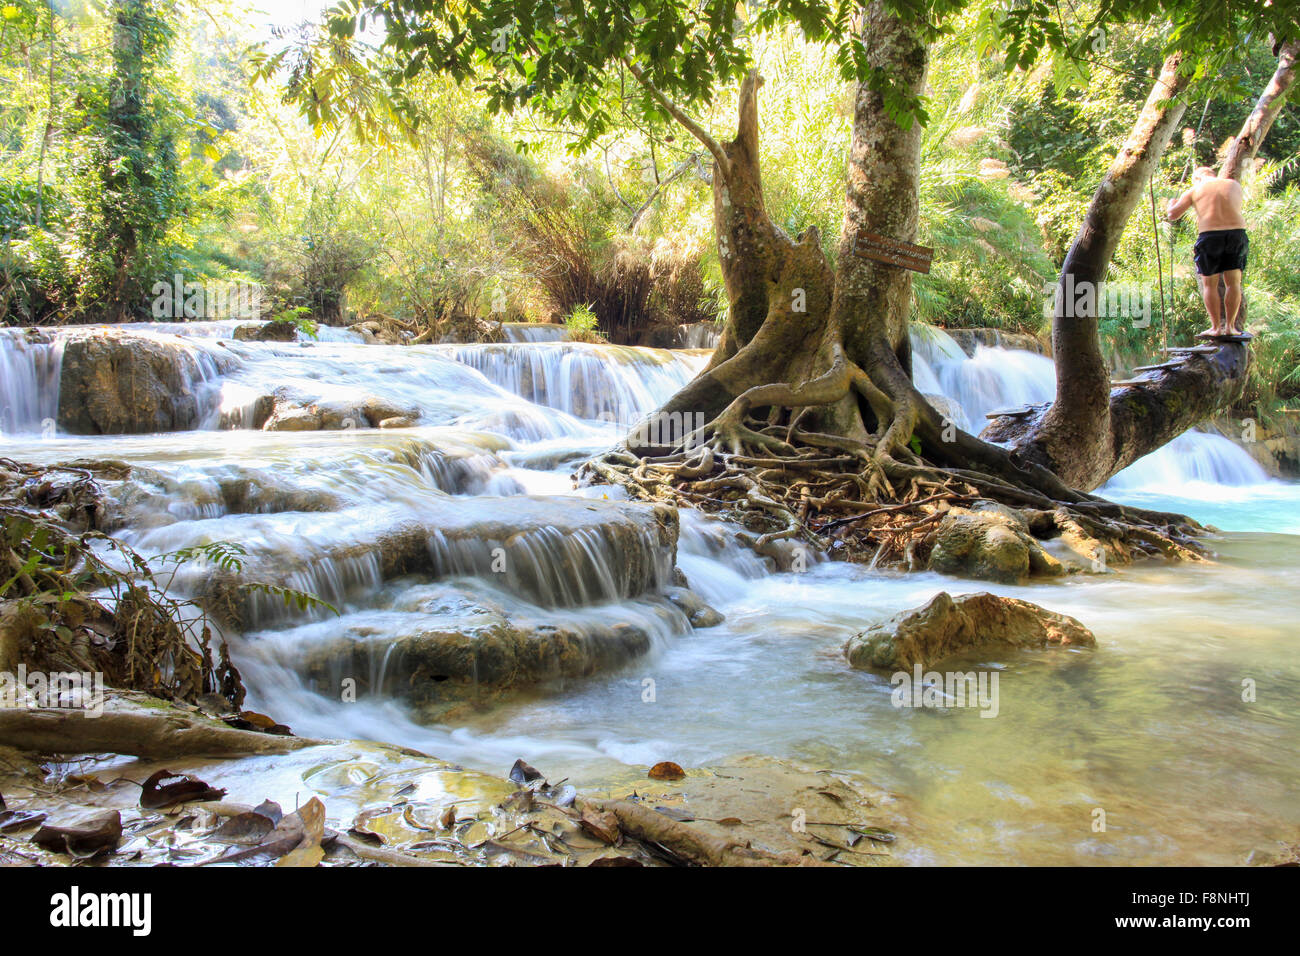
column 1244, row 148
column 873, row 301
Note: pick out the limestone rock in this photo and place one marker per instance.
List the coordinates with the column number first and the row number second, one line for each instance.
column 120, row 383
column 266, row 332
column 468, row 648
column 945, row 627
column 990, row 542
column 307, row 419
column 696, row 611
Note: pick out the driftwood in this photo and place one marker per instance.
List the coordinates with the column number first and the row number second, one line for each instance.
column 689, row 843
column 138, row 733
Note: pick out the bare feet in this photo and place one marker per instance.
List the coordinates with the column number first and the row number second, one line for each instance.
column 1211, row 332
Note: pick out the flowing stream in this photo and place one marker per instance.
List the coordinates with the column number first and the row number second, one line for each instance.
column 1151, row 726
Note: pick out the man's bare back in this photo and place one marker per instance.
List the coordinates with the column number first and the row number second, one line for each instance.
column 1221, row 245
column 1217, row 203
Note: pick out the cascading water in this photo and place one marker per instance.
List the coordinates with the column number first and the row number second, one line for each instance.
column 997, row 378
column 606, row 382
column 29, row 381
column 468, row 522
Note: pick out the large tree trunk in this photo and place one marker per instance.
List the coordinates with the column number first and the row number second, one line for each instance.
column 806, row 416
column 798, row 336
column 1091, row 431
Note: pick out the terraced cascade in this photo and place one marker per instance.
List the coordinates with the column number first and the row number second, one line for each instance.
column 488, row 610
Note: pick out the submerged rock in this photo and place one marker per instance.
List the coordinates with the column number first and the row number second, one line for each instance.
column 693, row 606
column 470, row 650
column 119, row 383
column 266, row 332
column 949, row 626
column 990, row 542
column 365, row 411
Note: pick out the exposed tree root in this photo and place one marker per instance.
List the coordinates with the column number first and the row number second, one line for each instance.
column 858, row 501
column 162, row 735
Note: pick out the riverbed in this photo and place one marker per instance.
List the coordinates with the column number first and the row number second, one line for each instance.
column 1175, row 740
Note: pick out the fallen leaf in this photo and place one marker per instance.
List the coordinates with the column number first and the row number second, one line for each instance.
column 271, row 810
column 251, row 720
column 521, row 773
column 409, row 816
column 303, row 828
column 244, row 829
column 13, row 820
column 366, row 836
column 666, row 770
column 603, row 825
column 303, row 856
column 179, row 789
column 81, row 833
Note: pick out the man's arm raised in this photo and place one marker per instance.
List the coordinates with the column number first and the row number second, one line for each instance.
column 1177, row 208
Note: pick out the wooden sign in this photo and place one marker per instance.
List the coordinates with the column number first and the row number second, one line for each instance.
column 905, row 255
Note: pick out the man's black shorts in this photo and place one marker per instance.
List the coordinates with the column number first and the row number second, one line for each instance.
column 1220, row 250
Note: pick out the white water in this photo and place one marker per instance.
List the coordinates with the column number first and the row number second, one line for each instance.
column 1150, row 726
column 29, row 377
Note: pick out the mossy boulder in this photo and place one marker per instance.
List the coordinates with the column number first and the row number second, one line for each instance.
column 947, row 627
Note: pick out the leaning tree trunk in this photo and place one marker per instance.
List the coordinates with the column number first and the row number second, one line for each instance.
column 1092, row 431
column 1270, row 102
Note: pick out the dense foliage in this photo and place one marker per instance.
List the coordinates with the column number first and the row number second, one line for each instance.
column 526, row 175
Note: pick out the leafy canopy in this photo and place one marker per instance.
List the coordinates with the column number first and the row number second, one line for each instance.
column 558, row 56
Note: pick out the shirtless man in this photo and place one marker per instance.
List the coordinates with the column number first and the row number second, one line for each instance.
column 1221, row 245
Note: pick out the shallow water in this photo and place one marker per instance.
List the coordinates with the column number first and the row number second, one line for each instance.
column 1150, row 726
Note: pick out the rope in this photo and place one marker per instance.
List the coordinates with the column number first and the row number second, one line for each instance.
column 1160, row 270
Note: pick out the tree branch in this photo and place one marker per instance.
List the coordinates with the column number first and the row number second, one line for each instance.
column 678, row 114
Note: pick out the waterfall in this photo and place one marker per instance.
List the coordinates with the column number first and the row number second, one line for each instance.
column 700, row 335
column 611, row 383
column 29, row 381
column 998, row 378
column 517, row 332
